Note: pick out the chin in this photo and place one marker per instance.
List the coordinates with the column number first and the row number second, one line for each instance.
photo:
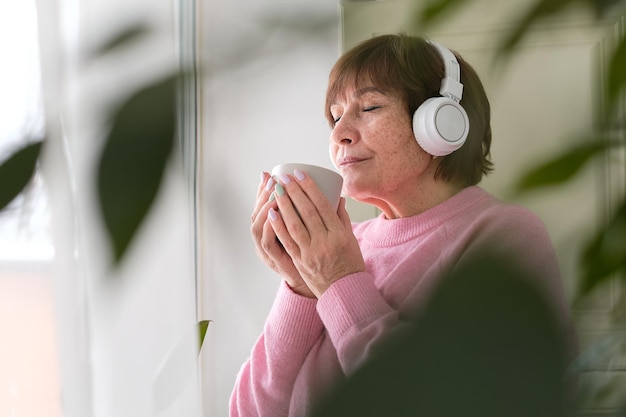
column 361, row 197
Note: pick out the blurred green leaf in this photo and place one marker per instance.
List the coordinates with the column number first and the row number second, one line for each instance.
column 561, row 168
column 617, row 73
column 122, row 38
column 487, row 343
column 16, row 172
column 203, row 326
column 603, row 7
column 605, row 256
column 540, row 10
column 436, row 9
column 134, row 158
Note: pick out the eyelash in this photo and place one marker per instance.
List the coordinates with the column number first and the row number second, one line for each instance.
column 365, row 109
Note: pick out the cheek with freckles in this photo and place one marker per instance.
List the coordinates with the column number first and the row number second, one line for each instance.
column 402, row 157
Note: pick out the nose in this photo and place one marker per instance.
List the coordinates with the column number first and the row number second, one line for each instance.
column 344, row 132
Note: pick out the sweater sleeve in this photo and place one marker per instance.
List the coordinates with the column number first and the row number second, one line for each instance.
column 265, row 382
column 357, row 318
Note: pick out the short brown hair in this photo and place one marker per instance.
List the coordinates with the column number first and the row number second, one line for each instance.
column 412, row 67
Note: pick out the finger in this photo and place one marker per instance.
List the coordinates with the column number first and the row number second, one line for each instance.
column 293, row 216
column 308, row 213
column 271, row 251
column 268, row 241
column 342, row 212
column 276, row 219
column 259, row 220
column 264, row 178
column 326, row 212
column 256, row 230
column 264, row 192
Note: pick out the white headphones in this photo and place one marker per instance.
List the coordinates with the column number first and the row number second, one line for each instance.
column 440, row 124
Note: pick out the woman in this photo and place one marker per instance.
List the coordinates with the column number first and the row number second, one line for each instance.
column 348, row 287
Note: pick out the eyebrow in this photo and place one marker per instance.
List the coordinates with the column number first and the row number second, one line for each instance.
column 371, row 89
column 362, row 91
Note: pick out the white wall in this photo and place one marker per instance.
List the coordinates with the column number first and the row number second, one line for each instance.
column 263, row 102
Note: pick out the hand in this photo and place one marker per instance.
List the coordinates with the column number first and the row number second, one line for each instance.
column 318, row 239
column 267, row 245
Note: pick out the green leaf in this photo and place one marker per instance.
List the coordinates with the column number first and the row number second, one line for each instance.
column 605, row 255
column 133, row 160
column 203, row 326
column 126, row 36
column 561, row 168
column 541, row 9
column 603, row 7
column 17, row 171
column 617, row 73
column 437, row 9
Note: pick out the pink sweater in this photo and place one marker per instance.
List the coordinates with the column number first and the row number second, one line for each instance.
column 308, row 344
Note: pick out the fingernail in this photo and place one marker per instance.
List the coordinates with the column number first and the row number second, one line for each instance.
column 272, row 197
column 280, row 190
column 262, row 176
column 298, row 174
column 285, row 178
column 272, row 214
column 270, row 184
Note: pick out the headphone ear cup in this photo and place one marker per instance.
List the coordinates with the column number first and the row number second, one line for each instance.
column 440, row 126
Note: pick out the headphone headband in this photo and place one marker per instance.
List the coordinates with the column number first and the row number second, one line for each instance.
column 451, row 86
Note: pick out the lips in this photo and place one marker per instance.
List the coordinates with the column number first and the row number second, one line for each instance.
column 350, row 160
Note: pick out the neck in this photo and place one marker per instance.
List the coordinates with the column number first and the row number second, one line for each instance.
column 415, row 201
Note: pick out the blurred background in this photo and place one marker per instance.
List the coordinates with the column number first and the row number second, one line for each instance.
column 83, row 337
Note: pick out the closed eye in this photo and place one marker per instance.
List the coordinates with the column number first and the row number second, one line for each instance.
column 371, row 108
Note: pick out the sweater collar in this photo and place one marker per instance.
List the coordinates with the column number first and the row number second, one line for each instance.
column 383, row 232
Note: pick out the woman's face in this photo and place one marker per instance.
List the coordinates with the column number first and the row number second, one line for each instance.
column 373, row 146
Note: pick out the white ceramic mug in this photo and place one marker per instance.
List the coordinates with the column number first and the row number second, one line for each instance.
column 329, row 181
